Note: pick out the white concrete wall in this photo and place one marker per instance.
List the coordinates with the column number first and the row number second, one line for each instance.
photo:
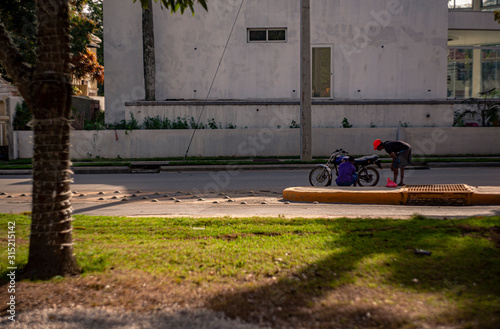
column 472, row 20
column 124, row 77
column 382, row 49
column 268, row 142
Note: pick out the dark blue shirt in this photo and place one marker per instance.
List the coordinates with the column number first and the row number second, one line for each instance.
column 346, row 170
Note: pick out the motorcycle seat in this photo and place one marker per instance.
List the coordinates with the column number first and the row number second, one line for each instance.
column 366, row 159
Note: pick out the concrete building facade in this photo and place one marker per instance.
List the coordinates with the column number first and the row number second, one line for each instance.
column 379, row 63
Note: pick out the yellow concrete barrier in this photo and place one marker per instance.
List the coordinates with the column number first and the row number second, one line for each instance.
column 444, row 194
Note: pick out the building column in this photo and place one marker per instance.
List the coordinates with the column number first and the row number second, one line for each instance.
column 476, row 72
column 476, row 5
column 305, row 82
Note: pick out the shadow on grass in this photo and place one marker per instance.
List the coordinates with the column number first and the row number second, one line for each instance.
column 463, row 270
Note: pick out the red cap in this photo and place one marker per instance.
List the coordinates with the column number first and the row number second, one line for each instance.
column 376, row 143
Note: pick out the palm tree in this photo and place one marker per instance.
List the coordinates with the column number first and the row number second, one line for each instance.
column 148, row 51
column 46, row 88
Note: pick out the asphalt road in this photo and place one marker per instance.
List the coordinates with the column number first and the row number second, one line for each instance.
column 237, row 194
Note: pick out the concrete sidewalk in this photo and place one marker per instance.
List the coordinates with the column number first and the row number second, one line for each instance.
column 431, row 195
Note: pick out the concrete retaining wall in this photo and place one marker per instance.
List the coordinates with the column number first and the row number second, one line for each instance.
column 273, row 114
column 266, row 142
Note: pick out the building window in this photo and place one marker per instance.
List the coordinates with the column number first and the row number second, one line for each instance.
column 490, row 69
column 488, row 3
column 460, row 4
column 473, row 70
column 267, row 35
column 460, row 73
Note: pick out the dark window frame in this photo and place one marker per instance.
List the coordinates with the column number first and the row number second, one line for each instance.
column 267, row 30
column 490, row 6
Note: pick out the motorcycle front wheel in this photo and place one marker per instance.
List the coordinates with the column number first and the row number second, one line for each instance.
column 368, row 176
column 320, row 177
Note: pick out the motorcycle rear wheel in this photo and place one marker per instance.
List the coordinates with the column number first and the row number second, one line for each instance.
column 320, row 177
column 368, row 176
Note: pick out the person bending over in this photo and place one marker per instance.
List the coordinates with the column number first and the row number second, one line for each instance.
column 400, row 153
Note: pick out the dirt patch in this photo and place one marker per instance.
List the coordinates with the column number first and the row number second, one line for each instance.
column 345, row 307
column 491, row 233
column 130, row 291
column 267, row 300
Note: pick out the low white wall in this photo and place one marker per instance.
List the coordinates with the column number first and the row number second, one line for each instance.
column 454, row 140
column 267, row 142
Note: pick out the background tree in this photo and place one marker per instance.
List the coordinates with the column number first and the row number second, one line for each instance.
column 148, row 52
column 86, row 65
column 46, row 89
column 19, row 19
column 45, row 85
column 93, row 11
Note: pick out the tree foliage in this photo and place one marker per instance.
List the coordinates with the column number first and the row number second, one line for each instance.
column 81, row 29
column 19, row 18
column 177, row 5
column 86, row 65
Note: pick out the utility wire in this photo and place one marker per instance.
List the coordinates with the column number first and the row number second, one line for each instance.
column 213, row 80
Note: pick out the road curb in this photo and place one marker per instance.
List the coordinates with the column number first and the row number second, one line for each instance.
column 343, row 195
column 101, row 170
column 393, row 196
column 462, row 164
column 76, row 170
column 236, row 167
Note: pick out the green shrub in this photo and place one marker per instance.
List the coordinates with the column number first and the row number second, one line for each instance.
column 153, row 123
column 180, row 123
column 97, row 124
column 131, row 124
column 213, row 125
column 294, row 124
column 345, row 123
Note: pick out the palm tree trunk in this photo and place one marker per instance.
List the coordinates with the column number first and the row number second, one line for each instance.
column 51, row 242
column 148, row 50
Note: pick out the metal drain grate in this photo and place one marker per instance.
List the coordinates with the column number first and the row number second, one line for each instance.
column 437, row 195
column 441, row 188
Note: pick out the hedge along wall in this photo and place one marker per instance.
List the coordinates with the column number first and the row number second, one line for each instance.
column 267, row 142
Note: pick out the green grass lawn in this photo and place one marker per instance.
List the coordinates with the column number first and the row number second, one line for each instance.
column 309, row 259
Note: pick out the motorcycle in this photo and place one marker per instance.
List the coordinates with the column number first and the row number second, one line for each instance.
column 367, row 176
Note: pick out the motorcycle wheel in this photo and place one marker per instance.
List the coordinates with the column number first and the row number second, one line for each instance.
column 320, row 177
column 368, row 176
